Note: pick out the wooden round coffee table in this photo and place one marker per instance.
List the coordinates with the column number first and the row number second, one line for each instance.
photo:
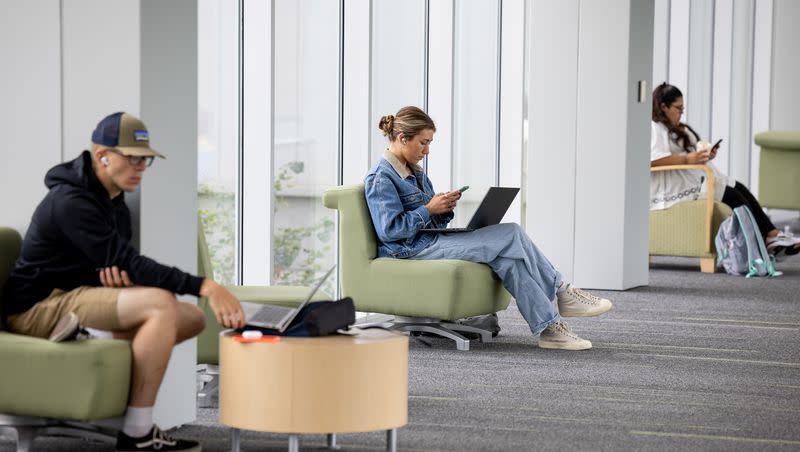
column 331, row 384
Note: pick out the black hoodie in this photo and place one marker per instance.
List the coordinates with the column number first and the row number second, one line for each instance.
column 76, row 230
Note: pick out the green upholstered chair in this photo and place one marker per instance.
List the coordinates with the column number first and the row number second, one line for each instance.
column 422, row 295
column 688, row 228
column 72, row 388
column 208, row 340
column 779, row 169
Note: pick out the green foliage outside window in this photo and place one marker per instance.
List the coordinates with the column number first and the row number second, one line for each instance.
column 217, row 214
column 300, row 253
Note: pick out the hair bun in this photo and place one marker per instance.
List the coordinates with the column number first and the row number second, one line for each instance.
column 386, row 124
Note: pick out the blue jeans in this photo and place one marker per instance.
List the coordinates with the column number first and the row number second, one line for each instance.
column 525, row 271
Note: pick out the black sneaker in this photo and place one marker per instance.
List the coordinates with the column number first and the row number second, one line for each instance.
column 488, row 322
column 154, row 441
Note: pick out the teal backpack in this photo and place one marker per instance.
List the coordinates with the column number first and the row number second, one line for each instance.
column 740, row 247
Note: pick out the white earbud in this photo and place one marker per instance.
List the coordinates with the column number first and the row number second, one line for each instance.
column 104, row 160
column 404, row 141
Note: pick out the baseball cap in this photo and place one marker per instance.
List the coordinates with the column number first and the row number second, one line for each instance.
column 126, row 133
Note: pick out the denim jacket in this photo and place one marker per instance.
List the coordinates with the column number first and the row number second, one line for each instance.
column 397, row 207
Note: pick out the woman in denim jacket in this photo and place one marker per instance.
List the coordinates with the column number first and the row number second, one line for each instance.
column 401, row 201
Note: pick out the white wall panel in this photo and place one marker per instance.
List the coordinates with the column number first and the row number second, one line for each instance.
column 357, row 119
column 701, row 59
column 398, row 65
column 741, row 89
column 661, row 29
column 552, row 109
column 511, row 101
column 440, row 92
column 100, row 75
column 679, row 44
column 721, row 82
column 610, row 250
column 762, row 59
column 168, row 220
column 785, row 96
column 257, row 143
column 30, row 113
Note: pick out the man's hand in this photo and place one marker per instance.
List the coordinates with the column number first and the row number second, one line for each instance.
column 226, row 307
column 112, row 277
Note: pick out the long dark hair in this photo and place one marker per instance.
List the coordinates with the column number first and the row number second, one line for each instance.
column 667, row 94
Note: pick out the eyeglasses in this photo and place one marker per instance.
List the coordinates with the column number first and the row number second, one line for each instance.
column 136, row 160
column 680, row 108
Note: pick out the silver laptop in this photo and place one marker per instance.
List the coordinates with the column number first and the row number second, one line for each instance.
column 277, row 317
column 491, row 211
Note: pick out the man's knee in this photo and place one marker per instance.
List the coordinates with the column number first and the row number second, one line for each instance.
column 194, row 320
column 143, row 303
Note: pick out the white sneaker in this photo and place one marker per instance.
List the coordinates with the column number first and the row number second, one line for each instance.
column 574, row 302
column 560, row 337
column 784, row 241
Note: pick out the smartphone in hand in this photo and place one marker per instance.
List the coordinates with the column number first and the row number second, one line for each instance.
column 716, row 145
column 463, row 189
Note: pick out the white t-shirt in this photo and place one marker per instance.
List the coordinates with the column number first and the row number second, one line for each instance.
column 670, row 187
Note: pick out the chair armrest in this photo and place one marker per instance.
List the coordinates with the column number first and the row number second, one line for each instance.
column 709, row 195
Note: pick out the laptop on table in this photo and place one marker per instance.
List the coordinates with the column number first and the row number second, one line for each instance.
column 277, row 317
column 492, row 209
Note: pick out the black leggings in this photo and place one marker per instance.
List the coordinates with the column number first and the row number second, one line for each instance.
column 741, row 196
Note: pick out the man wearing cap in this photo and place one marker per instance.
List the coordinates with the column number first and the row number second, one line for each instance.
column 77, row 265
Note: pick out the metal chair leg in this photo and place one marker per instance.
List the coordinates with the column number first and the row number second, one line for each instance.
column 391, row 440
column 294, row 443
column 236, row 440
column 332, row 441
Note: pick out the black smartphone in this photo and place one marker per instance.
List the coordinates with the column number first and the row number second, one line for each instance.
column 716, row 145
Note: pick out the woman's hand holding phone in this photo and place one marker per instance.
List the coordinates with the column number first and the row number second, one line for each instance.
column 713, row 152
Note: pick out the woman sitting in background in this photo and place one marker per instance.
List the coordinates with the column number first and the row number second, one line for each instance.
column 675, row 143
column 401, row 201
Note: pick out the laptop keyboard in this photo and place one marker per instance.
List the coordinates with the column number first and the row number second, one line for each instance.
column 270, row 314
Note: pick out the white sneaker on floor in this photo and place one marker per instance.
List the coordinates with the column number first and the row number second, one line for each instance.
column 784, row 241
column 574, row 302
column 559, row 336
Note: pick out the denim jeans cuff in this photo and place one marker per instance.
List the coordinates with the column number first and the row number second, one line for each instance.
column 540, row 327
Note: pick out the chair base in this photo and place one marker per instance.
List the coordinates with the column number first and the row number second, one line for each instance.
column 207, row 386
column 28, row 428
column 427, row 325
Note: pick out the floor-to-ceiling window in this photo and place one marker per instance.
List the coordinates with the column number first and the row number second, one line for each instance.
column 306, row 127
column 217, row 142
column 287, row 112
column 475, row 101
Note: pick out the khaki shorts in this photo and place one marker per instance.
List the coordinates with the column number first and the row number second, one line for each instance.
column 96, row 307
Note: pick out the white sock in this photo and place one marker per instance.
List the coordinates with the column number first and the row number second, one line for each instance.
column 138, row 421
column 562, row 287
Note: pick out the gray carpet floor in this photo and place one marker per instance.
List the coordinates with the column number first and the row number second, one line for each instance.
column 690, row 362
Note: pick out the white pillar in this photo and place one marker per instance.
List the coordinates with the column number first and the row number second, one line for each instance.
column 168, row 222
column 588, row 165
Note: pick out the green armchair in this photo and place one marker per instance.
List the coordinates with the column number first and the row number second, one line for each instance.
column 425, row 296
column 73, row 388
column 688, row 228
column 779, row 169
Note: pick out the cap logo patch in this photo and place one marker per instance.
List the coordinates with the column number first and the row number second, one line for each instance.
column 141, row 135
